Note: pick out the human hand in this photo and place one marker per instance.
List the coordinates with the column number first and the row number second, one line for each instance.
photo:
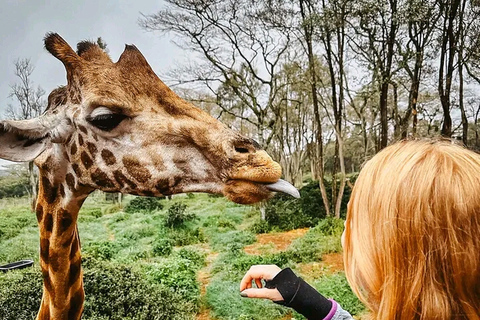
column 257, row 273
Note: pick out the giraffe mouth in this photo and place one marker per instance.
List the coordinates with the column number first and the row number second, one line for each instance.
column 284, row 187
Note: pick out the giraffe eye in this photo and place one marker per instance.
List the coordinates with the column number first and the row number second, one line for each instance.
column 107, row 122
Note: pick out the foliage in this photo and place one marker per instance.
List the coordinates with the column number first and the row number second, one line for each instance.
column 335, row 286
column 324, row 238
column 186, row 236
column 232, row 240
column 101, row 250
column 224, row 299
column 176, row 216
column 285, row 213
column 178, row 274
column 144, row 204
column 261, row 226
column 13, row 187
column 163, row 246
column 20, row 294
column 121, row 292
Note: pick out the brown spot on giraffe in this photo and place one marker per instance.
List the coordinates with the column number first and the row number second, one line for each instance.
column 39, row 213
column 44, row 249
column 86, row 160
column 152, row 142
column 70, row 179
column 92, row 148
column 73, row 148
column 135, row 169
column 83, row 129
column 74, row 272
column 62, row 190
column 108, row 157
column 50, row 192
column 76, row 305
column 102, row 179
column 122, row 180
column 80, row 140
column 48, row 222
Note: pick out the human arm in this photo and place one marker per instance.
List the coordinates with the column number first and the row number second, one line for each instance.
column 285, row 288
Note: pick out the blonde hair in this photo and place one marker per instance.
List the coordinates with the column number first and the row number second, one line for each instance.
column 412, row 237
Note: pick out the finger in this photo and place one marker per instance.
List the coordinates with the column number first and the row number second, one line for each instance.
column 246, row 281
column 258, row 282
column 263, row 293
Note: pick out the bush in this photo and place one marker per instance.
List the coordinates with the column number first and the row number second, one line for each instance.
column 186, row 236
column 120, row 292
column 232, row 240
column 284, row 213
column 178, row 274
column 224, row 300
column 163, row 246
column 233, row 265
column 111, row 292
column 261, row 226
column 336, row 287
column 20, row 294
column 103, row 250
column 324, row 238
column 176, row 216
column 144, row 204
column 198, row 259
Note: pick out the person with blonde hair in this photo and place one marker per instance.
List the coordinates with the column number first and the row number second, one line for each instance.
column 411, row 240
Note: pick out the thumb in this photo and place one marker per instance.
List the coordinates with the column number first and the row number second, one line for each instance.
column 262, row 293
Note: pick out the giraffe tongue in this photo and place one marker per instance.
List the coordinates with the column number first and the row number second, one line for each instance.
column 285, row 187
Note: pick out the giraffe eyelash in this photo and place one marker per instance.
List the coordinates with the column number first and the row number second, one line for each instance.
column 107, row 122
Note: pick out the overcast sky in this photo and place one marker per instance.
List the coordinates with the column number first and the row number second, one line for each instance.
column 24, row 23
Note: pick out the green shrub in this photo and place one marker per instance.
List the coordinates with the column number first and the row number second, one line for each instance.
column 232, row 240
column 186, row 236
column 221, row 222
column 176, row 216
column 163, row 246
column 20, row 294
column 261, row 226
column 324, row 238
column 284, row 213
column 336, row 287
column 110, row 209
column 111, row 292
column 120, row 292
column 233, row 265
column 198, row 259
column 11, row 186
column 177, row 274
column 102, row 250
column 139, row 204
column 224, row 299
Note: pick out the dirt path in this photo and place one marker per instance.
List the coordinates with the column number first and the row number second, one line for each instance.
column 274, row 242
column 203, row 277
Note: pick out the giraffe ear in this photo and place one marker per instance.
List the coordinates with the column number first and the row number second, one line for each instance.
column 24, row 140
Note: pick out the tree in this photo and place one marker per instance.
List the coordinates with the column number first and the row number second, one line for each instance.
column 238, row 54
column 30, row 105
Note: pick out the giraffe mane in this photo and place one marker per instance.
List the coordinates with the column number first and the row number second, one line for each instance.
column 91, row 51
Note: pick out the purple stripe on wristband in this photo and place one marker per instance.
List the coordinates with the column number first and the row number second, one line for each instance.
column 332, row 311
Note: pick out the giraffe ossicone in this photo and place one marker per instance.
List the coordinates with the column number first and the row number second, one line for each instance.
column 115, row 126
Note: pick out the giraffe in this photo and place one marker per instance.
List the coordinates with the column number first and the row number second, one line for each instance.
column 116, row 127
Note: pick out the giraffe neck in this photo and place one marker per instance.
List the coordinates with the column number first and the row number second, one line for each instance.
column 57, row 211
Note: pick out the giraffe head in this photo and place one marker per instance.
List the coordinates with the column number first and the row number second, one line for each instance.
column 117, row 127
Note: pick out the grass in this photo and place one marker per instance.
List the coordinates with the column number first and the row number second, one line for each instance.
column 158, row 265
